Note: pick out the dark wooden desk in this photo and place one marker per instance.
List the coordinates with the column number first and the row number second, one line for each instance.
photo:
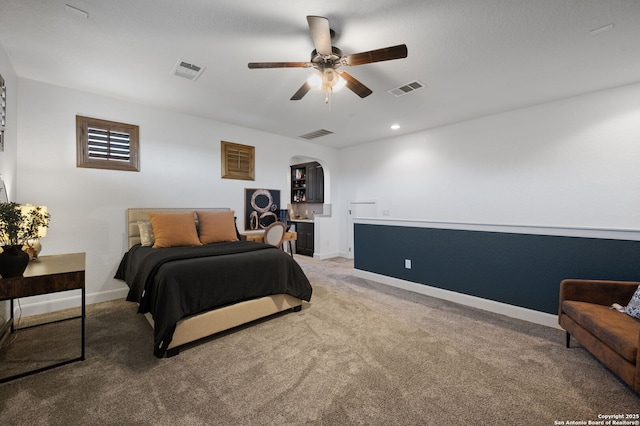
column 48, row 274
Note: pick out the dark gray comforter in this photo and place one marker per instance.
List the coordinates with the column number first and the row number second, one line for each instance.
column 173, row 283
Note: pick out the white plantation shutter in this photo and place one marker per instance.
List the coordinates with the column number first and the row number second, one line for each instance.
column 106, row 144
column 109, row 145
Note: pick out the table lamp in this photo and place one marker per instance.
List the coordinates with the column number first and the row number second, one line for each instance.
column 33, row 246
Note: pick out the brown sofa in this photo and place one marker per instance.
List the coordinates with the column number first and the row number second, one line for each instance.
column 613, row 337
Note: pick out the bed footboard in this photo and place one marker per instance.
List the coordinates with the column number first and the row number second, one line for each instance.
column 209, row 323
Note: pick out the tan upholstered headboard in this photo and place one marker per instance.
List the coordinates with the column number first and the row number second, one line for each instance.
column 135, row 215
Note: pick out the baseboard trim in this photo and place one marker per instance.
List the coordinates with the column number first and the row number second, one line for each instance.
column 46, row 306
column 518, row 312
column 323, row 256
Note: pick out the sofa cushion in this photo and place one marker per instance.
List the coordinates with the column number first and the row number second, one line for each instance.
column 615, row 329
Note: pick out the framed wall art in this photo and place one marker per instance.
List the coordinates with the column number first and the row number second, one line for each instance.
column 261, row 207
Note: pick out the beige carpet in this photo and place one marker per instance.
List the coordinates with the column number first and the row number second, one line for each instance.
column 360, row 353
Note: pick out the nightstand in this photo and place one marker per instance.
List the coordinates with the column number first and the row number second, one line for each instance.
column 46, row 275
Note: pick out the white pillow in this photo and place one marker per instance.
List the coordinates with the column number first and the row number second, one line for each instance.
column 146, row 233
column 633, row 308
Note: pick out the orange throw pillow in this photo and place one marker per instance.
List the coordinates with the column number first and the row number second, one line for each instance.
column 217, row 227
column 174, row 229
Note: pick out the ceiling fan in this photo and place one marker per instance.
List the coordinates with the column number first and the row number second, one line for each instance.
column 328, row 59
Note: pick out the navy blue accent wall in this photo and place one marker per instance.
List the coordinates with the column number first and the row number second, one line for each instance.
column 518, row 269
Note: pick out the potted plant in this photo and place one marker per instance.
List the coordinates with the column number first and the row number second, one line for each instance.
column 18, row 225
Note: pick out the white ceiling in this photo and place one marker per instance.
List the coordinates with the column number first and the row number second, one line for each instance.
column 476, row 57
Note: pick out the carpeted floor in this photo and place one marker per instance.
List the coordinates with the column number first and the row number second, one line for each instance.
column 359, row 353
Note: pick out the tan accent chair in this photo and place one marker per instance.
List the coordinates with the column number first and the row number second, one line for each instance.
column 274, row 234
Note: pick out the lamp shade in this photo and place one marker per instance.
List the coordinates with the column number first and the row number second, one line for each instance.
column 27, row 209
column 3, row 191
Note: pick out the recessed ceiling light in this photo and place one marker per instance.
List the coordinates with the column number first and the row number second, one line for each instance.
column 395, row 126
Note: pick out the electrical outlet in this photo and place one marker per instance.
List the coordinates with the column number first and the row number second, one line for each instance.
column 407, row 263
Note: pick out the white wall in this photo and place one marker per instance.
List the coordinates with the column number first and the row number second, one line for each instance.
column 8, row 157
column 180, row 167
column 573, row 162
column 567, row 163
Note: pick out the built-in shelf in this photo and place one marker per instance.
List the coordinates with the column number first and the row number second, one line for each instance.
column 307, row 183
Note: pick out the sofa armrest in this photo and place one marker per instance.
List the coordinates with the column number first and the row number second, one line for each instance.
column 601, row 292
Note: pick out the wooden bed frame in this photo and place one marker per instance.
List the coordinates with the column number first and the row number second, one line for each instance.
column 202, row 325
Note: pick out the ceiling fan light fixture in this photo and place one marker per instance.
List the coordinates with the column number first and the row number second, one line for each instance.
column 315, row 81
column 326, row 81
column 340, row 84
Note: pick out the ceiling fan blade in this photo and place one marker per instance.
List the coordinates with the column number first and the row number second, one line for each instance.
column 254, row 65
column 355, row 86
column 378, row 55
column 321, row 34
column 301, row 92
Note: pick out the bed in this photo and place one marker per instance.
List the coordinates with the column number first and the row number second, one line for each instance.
column 189, row 292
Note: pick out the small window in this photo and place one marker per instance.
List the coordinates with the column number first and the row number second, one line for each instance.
column 237, row 161
column 105, row 144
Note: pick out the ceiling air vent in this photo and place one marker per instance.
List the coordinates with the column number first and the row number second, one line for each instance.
column 407, row 88
column 316, row 134
column 186, row 70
